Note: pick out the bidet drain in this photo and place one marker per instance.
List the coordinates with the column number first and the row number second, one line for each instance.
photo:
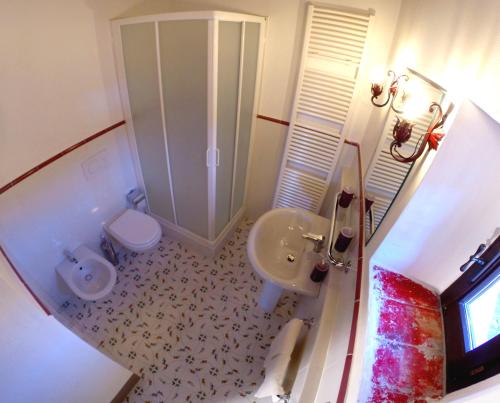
column 88, row 277
column 290, row 258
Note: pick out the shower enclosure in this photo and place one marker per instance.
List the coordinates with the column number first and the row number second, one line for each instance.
column 188, row 83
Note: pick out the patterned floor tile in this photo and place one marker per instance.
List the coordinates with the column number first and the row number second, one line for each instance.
column 188, row 325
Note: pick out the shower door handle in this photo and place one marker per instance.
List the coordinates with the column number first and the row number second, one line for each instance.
column 210, row 159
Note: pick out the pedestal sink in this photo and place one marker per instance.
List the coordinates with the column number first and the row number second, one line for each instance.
column 279, row 253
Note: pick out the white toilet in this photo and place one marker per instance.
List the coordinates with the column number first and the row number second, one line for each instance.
column 134, row 230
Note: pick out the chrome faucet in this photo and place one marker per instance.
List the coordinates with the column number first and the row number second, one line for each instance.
column 318, row 240
column 70, row 256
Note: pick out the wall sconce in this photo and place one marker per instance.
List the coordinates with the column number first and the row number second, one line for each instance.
column 378, row 89
column 402, row 133
column 413, row 103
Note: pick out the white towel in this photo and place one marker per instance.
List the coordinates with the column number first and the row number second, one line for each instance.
column 278, row 358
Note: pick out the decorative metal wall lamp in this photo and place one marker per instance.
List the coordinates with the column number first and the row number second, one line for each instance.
column 402, row 133
column 378, row 89
column 403, row 128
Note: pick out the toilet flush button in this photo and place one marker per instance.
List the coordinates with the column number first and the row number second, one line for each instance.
column 95, row 165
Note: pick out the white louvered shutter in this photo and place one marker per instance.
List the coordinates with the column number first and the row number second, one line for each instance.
column 385, row 175
column 333, row 49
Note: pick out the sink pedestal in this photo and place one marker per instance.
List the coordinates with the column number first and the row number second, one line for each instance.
column 269, row 296
column 281, row 255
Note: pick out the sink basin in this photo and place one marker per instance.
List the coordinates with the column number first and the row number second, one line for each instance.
column 279, row 253
column 91, row 277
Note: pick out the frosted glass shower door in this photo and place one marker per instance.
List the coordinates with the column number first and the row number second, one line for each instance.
column 139, row 54
column 238, row 51
column 188, row 84
column 246, row 112
column 228, row 70
column 183, row 58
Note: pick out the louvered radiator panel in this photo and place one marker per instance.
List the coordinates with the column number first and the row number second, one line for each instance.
column 338, row 35
column 379, row 208
column 313, row 148
column 387, row 175
column 334, row 44
column 325, row 96
column 298, row 189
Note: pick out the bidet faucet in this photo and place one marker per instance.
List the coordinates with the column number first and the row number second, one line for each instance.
column 318, row 240
column 70, row 256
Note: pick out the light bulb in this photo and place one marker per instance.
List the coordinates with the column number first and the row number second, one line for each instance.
column 415, row 102
column 377, row 75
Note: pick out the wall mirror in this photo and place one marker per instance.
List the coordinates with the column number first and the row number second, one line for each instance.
column 385, row 175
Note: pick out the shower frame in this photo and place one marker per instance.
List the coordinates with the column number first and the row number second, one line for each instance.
column 212, row 244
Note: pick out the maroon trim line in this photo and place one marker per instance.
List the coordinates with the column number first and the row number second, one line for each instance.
column 354, row 325
column 37, row 168
column 274, row 120
column 27, row 174
column 345, row 378
column 44, row 308
column 361, row 241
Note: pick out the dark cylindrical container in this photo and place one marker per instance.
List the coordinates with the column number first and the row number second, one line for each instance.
column 344, row 239
column 320, row 271
column 346, row 197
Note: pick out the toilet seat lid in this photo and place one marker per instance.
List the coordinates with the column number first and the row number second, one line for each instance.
column 135, row 228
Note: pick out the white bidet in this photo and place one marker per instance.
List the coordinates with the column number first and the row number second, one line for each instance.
column 88, row 275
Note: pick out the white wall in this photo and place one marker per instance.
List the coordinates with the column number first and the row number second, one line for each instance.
column 60, row 208
column 486, row 391
column 20, row 293
column 41, row 360
column 454, row 209
column 455, row 43
column 268, row 146
column 58, row 87
column 62, row 87
column 58, row 77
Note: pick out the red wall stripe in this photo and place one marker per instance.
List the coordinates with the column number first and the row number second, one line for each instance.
column 345, row 378
column 361, row 243
column 37, row 168
column 59, row 155
column 281, row 122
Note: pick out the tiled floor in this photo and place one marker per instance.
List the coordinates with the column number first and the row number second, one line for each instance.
column 190, row 326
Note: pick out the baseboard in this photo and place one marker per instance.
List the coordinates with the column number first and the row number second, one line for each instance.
column 127, row 387
column 202, row 245
column 228, row 231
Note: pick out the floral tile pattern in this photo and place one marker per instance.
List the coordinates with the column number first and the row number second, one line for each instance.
column 189, row 325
